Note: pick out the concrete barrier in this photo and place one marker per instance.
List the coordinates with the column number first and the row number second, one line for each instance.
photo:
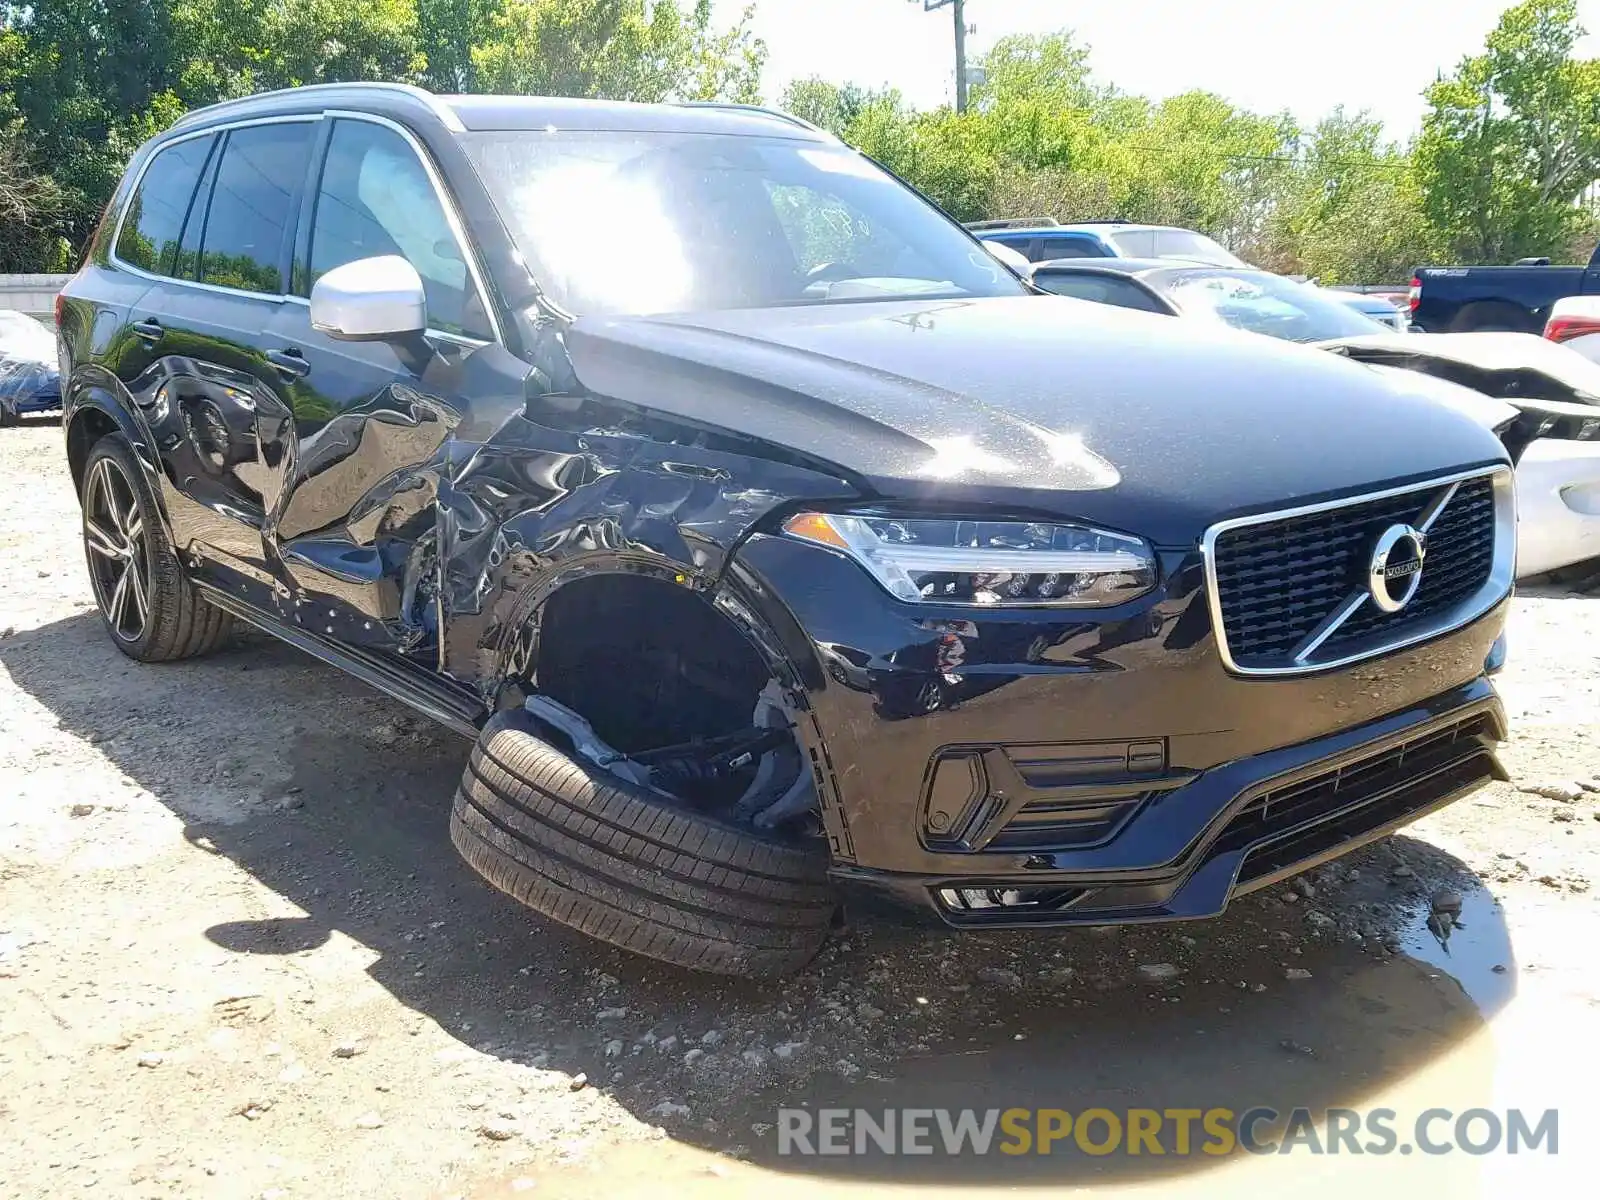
column 32, row 294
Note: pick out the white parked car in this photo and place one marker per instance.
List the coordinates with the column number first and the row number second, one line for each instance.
column 1553, row 396
column 1575, row 323
column 1542, row 399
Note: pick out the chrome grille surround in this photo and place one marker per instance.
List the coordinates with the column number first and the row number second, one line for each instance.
column 1383, row 640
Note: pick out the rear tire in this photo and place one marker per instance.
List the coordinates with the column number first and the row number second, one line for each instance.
column 614, row 860
column 151, row 610
column 1489, row 316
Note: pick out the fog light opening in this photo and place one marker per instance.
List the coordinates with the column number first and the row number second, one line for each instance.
column 1012, row 899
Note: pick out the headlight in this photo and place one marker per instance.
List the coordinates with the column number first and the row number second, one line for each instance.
column 937, row 560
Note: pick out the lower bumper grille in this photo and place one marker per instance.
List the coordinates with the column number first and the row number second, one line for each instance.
column 1280, row 830
column 1285, row 825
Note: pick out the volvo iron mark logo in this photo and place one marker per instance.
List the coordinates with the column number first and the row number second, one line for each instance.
column 1396, row 570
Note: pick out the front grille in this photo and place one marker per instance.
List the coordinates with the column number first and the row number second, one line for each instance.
column 1277, row 579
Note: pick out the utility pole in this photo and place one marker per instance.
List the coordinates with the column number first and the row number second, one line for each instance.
column 960, row 12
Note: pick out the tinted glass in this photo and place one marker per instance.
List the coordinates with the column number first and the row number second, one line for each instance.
column 1103, row 289
column 1073, row 247
column 632, row 222
column 1262, row 303
column 154, row 220
column 375, row 198
column 252, row 210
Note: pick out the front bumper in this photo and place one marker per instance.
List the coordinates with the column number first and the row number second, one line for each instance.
column 1270, row 816
column 1036, row 767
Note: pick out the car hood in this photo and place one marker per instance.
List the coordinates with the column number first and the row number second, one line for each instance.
column 1040, row 404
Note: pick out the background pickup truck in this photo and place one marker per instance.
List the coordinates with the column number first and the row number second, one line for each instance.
column 1458, row 299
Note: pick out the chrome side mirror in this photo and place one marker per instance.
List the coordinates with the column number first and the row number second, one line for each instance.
column 370, row 299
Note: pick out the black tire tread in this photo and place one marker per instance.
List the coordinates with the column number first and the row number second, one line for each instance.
column 607, row 858
column 186, row 626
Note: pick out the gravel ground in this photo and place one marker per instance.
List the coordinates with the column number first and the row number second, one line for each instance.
column 238, row 956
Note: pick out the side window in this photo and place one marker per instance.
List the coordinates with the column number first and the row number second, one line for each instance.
column 1069, row 247
column 252, row 208
column 1102, row 289
column 154, row 221
column 375, row 198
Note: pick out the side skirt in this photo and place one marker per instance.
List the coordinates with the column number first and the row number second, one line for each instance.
column 453, row 709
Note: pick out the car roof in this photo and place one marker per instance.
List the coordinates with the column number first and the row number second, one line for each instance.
column 1122, row 227
column 481, row 113
column 545, row 112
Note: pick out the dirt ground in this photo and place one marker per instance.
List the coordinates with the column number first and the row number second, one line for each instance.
column 239, row 958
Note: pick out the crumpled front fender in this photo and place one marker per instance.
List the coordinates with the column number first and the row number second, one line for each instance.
column 538, row 506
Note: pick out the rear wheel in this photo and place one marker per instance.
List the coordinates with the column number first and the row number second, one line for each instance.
column 1491, row 316
column 150, row 608
column 619, row 862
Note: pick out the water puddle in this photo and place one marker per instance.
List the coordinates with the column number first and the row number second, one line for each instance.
column 1469, row 942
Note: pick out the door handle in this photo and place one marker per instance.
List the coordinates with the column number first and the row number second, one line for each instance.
column 149, row 330
column 291, row 364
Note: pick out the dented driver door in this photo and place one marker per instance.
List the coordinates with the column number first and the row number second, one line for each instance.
column 351, row 521
column 362, row 454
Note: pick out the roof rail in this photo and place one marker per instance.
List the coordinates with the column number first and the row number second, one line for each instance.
column 757, row 109
column 1013, row 223
column 1106, row 221
column 432, row 101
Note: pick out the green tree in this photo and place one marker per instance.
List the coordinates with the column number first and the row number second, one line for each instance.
column 29, row 203
column 446, row 32
column 617, row 49
column 326, row 41
column 1512, row 138
column 832, row 106
column 1352, row 210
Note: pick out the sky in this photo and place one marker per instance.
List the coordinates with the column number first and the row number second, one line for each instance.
column 1305, row 56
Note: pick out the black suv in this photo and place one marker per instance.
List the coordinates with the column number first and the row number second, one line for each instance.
column 769, row 537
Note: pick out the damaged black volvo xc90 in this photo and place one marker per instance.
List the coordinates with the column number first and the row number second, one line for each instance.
column 769, row 537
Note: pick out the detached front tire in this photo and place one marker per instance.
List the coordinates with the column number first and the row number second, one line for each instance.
column 616, row 861
column 151, row 610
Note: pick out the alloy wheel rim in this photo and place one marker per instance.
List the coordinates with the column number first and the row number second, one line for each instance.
column 114, row 534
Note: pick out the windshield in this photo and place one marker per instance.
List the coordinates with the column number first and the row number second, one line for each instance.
column 1175, row 243
column 638, row 222
column 1263, row 303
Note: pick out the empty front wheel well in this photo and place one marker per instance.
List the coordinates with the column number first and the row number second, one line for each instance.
column 649, row 663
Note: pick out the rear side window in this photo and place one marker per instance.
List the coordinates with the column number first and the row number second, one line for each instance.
column 154, row 221
column 252, row 209
column 375, row 198
column 1103, row 289
column 1069, row 247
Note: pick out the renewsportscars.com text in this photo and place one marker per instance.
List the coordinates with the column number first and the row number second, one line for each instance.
column 1171, row 1131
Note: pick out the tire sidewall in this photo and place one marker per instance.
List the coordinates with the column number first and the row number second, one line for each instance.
column 157, row 547
column 519, row 720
